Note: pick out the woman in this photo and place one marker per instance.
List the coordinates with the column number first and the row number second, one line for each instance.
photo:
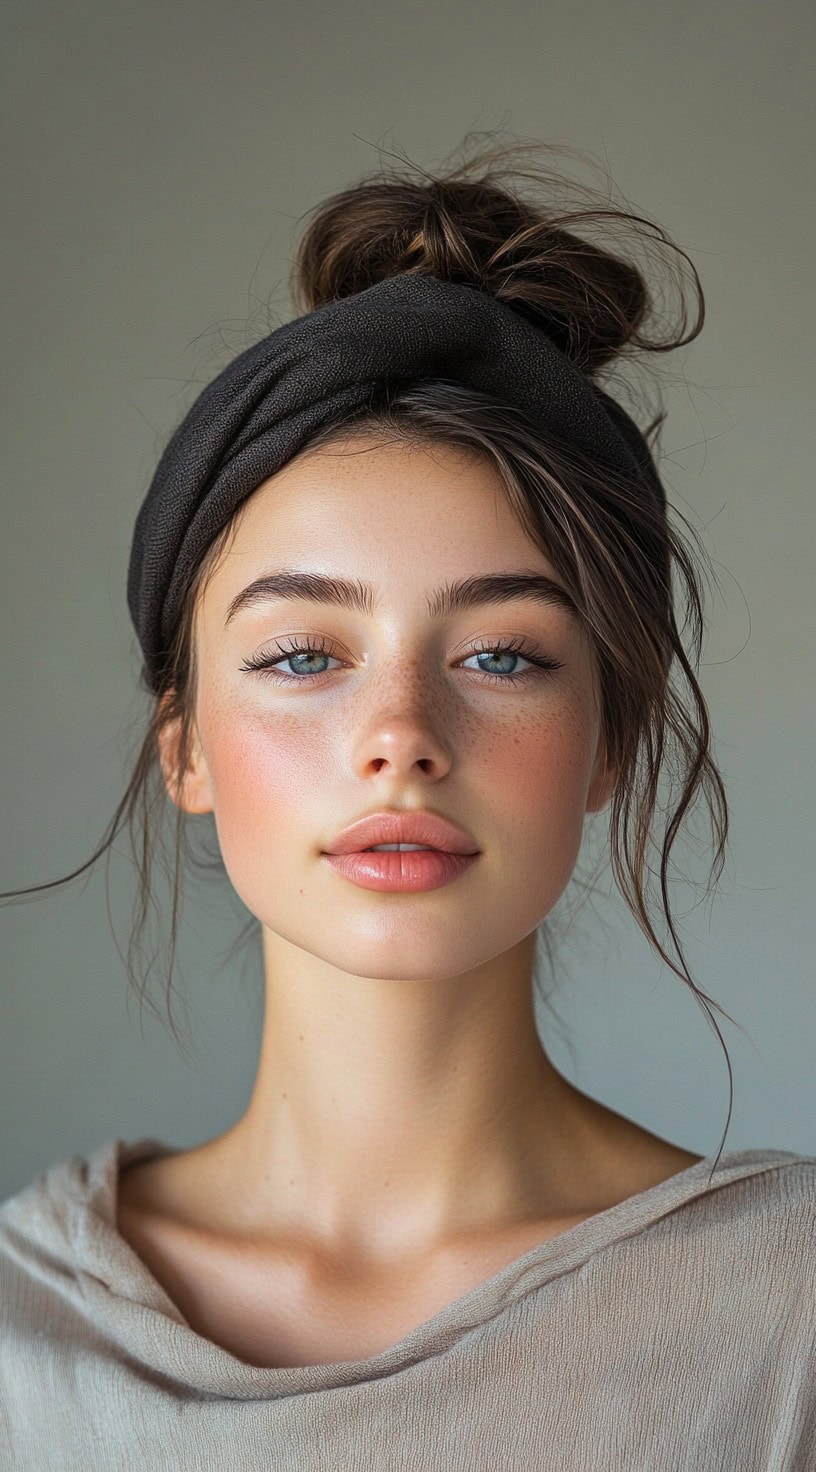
column 402, row 585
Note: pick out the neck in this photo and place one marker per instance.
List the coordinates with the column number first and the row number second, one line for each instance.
column 402, row 1112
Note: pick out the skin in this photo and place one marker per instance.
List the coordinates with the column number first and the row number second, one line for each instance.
column 406, row 1124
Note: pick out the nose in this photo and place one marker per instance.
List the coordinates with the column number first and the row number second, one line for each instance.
column 403, row 733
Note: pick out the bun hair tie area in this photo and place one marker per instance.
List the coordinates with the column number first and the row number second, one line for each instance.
column 267, row 404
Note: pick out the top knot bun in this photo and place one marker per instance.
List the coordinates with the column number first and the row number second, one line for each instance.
column 482, row 232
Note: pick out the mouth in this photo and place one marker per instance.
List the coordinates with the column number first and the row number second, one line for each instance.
column 402, row 848
column 403, row 830
column 406, row 869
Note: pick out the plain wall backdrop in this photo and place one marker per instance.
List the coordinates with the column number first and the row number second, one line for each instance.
column 157, row 159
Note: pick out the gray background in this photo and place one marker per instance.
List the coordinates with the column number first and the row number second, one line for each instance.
column 158, row 158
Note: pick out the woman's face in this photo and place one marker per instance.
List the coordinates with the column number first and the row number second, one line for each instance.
column 396, row 712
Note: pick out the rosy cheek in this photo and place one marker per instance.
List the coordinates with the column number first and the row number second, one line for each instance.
column 534, row 783
column 262, row 772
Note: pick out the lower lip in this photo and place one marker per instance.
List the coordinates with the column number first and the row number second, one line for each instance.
column 413, row 870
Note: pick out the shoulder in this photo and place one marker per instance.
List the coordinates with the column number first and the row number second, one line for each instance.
column 772, row 1204
column 54, row 1234
column 762, row 1194
column 722, row 1271
column 37, row 1237
column 754, row 1233
column 43, row 1205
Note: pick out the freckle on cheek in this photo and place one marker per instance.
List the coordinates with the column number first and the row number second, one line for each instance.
column 532, row 767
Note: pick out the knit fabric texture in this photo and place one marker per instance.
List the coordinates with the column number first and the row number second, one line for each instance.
column 673, row 1332
column 321, row 368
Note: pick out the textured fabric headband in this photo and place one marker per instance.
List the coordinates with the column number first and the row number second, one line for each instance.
column 264, row 406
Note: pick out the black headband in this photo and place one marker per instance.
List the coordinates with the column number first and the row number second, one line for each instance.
column 269, row 401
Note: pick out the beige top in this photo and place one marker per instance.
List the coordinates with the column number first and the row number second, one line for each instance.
column 675, row 1330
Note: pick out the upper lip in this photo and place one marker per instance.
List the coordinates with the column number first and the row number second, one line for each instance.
column 417, row 827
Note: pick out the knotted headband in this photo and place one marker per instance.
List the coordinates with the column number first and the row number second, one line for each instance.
column 267, row 403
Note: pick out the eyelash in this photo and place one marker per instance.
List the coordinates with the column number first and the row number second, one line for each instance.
column 264, row 664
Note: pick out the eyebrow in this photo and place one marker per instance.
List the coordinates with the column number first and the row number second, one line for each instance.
column 360, row 597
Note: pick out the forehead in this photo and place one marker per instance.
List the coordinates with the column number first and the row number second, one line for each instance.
column 396, row 513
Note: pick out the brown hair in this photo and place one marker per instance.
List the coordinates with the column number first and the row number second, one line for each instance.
column 479, row 222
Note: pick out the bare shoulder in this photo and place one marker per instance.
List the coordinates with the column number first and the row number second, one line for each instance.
column 627, row 1158
column 149, row 1186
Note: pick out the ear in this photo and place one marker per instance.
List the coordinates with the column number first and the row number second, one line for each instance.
column 602, row 782
column 191, row 791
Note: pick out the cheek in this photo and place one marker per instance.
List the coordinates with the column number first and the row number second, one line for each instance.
column 534, row 786
column 261, row 777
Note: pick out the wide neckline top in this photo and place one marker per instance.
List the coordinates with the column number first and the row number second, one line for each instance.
column 121, row 1295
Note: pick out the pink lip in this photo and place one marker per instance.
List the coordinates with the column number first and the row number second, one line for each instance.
column 409, row 872
column 403, row 827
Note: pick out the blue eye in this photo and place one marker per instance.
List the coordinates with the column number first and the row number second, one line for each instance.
column 266, row 663
column 510, row 657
